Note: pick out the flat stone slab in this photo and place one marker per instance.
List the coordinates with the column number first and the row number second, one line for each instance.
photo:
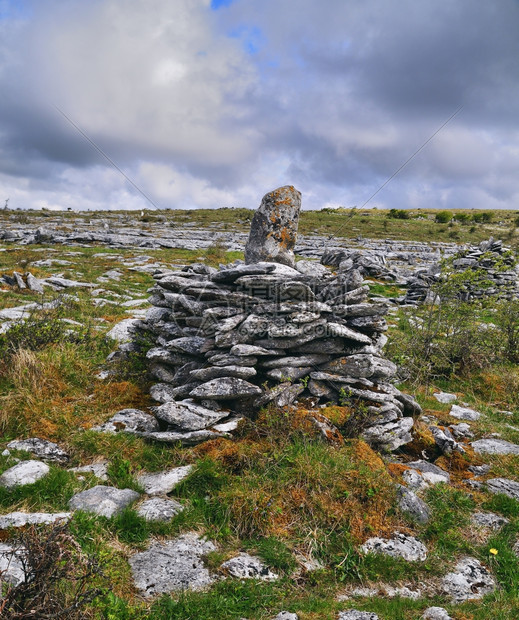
column 185, row 415
column 410, row 503
column 445, row 398
column 464, row 413
column 400, row 546
column 11, row 565
column 21, row 519
column 431, row 473
column 469, row 580
column 99, row 470
column 172, row 566
column 436, row 613
column 130, row 421
column 26, row 472
column 354, row 614
column 159, row 509
column 227, row 388
column 123, row 331
column 103, row 500
column 494, row 446
column 390, row 436
column 41, row 448
column 505, row 486
column 191, row 438
column 162, row 483
column 489, row 520
column 245, row 566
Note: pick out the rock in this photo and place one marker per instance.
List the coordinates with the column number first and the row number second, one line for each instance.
column 390, row 436
column 410, row 503
column 190, row 438
column 100, row 470
column 162, row 392
column 130, row 421
column 12, row 564
column 172, row 566
column 436, row 613
column 461, row 430
column 163, row 482
column 470, row 580
column 217, row 372
column 414, row 480
column 431, row 473
column 464, row 413
column 362, row 366
column 274, row 228
column 26, row 472
column 103, row 500
column 505, row 486
column 354, row 614
column 489, row 520
column 445, row 441
column 479, row 470
column 445, row 397
column 123, row 331
column 400, row 546
column 494, row 446
column 286, row 615
column 41, row 448
column 191, row 345
column 245, row 566
column 227, row 388
column 186, row 415
column 21, row 519
column 159, row 509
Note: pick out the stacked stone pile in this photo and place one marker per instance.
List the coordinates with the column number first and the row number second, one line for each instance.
column 496, row 264
column 368, row 263
column 234, row 339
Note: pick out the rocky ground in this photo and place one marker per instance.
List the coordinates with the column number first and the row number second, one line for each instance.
column 271, row 518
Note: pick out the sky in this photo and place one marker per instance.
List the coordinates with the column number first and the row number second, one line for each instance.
column 179, row 104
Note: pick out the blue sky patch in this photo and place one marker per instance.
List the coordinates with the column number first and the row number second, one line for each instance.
column 218, row 4
column 252, row 38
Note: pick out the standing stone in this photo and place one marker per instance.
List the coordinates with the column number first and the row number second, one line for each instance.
column 273, row 230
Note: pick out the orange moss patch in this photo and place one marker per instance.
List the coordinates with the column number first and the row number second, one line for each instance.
column 423, row 440
column 396, row 469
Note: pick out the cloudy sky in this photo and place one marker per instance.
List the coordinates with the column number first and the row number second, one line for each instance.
column 211, row 103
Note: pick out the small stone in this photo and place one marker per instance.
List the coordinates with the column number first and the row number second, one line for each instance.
column 245, row 566
column 130, row 421
column 12, row 569
column 172, row 565
column 159, row 509
column 163, row 482
column 25, row 472
column 470, row 580
column 436, row 613
column 464, row 413
column 489, row 520
column 21, row 519
column 226, row 388
column 494, row 446
column 123, row 331
column 445, row 441
column 400, row 546
column 390, row 436
column 190, row 438
column 100, row 470
column 354, row 614
column 162, row 392
column 461, row 430
column 445, row 397
column 216, row 372
column 185, row 415
column 410, row 503
column 430, row 472
column 362, row 366
column 479, row 470
column 41, row 448
column 103, row 500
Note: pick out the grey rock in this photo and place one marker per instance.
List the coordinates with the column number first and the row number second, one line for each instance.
column 445, row 441
column 390, row 436
column 12, row 560
column 123, row 331
column 400, row 546
column 430, row 472
column 361, row 365
column 286, row 615
column 21, row 519
column 281, row 395
column 249, row 349
column 162, row 392
column 26, row 472
column 494, row 446
column 410, row 503
column 34, row 284
column 163, row 482
column 226, row 389
column 159, row 509
column 312, row 269
column 436, row 613
column 445, row 397
column 245, row 566
column 103, row 500
column 414, row 480
column 191, row 438
column 130, row 421
column 505, row 486
column 341, row 331
column 461, row 430
column 231, row 274
column 464, row 413
column 191, row 345
column 41, row 448
column 489, row 520
column 354, row 614
column 469, row 580
column 100, row 470
column 172, row 566
column 479, row 470
column 217, row 372
column 289, row 373
column 274, row 228
column 186, row 415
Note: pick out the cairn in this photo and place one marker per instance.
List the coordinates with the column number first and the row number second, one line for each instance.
column 229, row 341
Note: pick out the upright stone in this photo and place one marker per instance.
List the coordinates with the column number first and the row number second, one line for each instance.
column 273, row 230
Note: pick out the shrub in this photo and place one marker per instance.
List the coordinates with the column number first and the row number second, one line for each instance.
column 399, row 214
column 443, row 217
column 483, row 217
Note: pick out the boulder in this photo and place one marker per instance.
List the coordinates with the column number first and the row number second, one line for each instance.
column 400, row 546
column 163, row 482
column 245, row 566
column 26, row 472
column 469, row 580
column 103, row 500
